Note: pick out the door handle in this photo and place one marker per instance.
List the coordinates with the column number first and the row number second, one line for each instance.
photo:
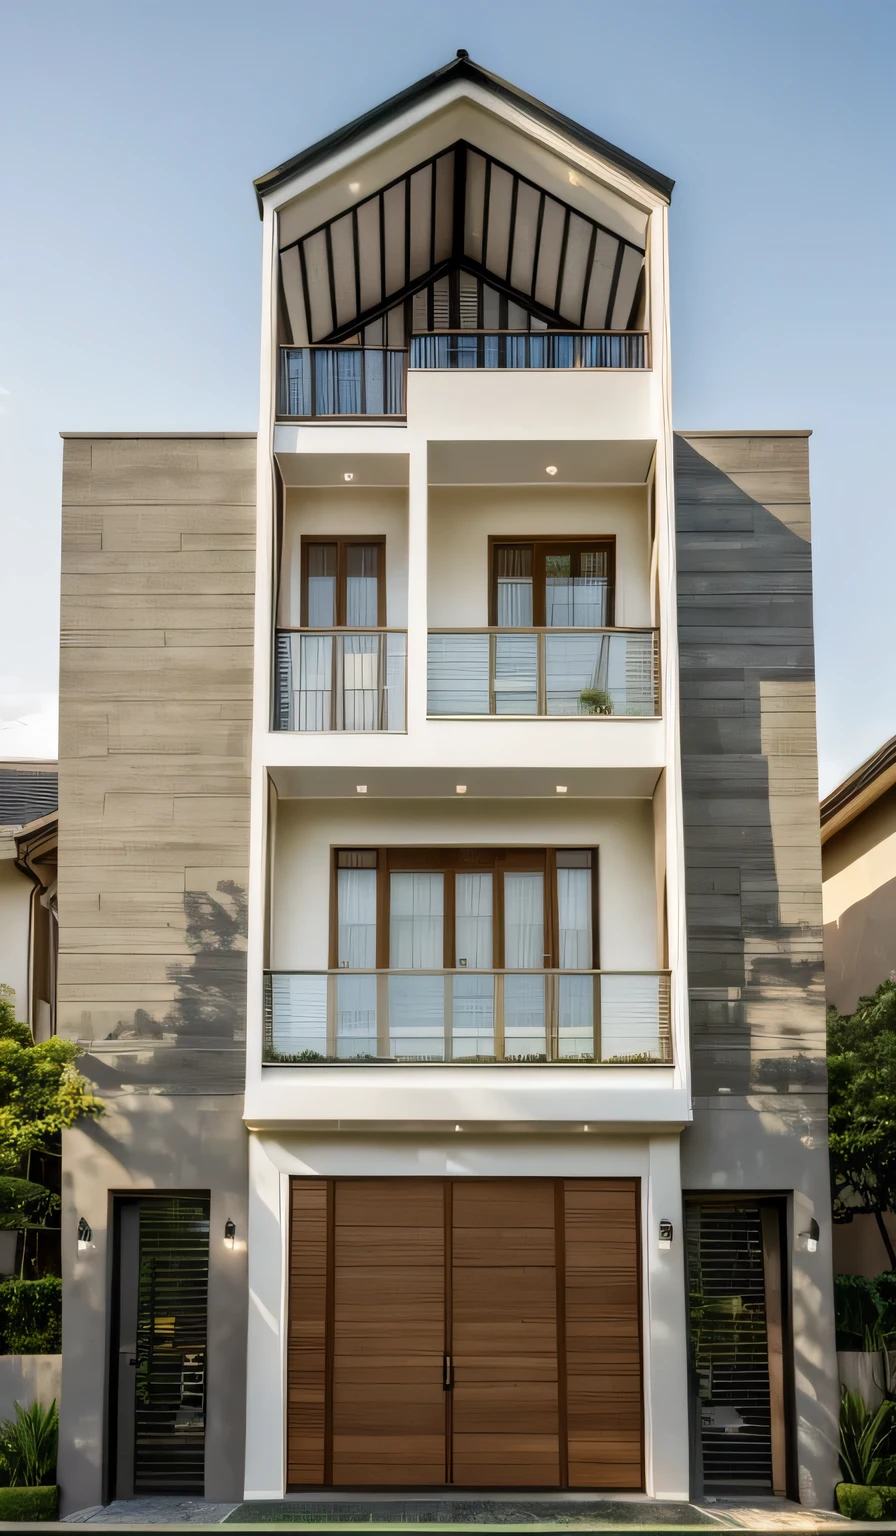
column 447, row 1373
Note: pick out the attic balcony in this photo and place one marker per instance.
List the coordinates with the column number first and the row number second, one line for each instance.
column 461, row 264
column 362, row 382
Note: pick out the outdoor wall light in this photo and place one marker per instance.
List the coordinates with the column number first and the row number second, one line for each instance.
column 84, row 1235
column 550, row 469
column 229, row 1233
column 361, row 788
column 460, row 789
column 665, row 1236
column 348, row 475
column 561, row 789
column 811, row 1236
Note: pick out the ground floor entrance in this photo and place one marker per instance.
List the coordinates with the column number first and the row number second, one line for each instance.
column 476, row 1332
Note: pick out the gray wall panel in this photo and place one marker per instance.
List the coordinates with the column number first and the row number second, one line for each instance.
column 753, row 872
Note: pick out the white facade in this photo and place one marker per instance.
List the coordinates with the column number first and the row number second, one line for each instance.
column 469, row 462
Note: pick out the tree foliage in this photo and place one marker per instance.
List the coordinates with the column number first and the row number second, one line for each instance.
column 862, row 1109
column 41, row 1094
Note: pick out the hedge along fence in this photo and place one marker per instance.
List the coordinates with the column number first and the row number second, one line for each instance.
column 27, row 1504
column 31, row 1316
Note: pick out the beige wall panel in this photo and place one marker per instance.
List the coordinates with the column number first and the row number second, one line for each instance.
column 156, row 705
column 734, row 452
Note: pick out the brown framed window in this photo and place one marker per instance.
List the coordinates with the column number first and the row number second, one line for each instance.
column 464, row 909
column 343, row 583
column 557, row 583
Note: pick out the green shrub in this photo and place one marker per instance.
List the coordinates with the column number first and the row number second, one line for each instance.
column 865, row 1441
column 858, row 1503
column 28, row 1447
column 31, row 1316
column 865, row 1311
column 29, row 1504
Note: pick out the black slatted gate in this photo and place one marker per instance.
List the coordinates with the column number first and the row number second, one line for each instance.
column 163, row 1326
column 729, row 1347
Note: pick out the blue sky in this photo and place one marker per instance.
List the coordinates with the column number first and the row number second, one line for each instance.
column 130, row 254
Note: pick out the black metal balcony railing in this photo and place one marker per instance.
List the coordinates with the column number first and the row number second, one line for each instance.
column 340, row 680
column 341, row 381
column 585, row 1017
column 556, row 672
column 529, row 349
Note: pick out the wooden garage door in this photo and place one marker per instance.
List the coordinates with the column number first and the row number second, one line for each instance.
column 478, row 1332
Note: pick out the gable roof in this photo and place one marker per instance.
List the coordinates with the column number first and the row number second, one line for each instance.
column 863, row 787
column 461, row 67
column 27, row 793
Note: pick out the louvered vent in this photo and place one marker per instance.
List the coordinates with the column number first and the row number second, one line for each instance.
column 729, row 1347
column 172, row 1324
column 284, row 683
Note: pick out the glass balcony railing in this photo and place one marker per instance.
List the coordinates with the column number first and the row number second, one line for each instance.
column 529, row 349
column 589, row 1017
column 340, row 680
column 341, row 381
column 558, row 672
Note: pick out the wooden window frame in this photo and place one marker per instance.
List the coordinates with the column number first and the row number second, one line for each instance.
column 540, row 547
column 457, row 860
column 343, row 542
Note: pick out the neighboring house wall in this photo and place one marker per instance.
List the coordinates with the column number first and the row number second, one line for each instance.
column 859, row 871
column 15, row 902
column 753, row 870
column 155, row 724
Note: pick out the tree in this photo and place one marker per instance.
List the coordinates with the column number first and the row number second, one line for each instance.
column 862, row 1109
column 42, row 1093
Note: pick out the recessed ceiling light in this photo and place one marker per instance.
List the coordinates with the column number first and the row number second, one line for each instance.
column 561, row 789
column 348, row 475
column 461, row 789
column 361, row 788
column 354, row 186
column 550, row 469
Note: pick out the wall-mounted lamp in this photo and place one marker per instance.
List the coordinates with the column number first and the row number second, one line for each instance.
column 349, row 475
column 811, row 1236
column 665, row 1242
column 229, row 1232
column 84, row 1235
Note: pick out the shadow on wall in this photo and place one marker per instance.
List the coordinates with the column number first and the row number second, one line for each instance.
column 750, row 785
column 860, row 948
column 200, row 1041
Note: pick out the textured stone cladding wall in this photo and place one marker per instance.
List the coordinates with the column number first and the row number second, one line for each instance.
column 158, row 560
column 749, row 764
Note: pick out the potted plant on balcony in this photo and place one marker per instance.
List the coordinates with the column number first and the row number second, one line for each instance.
column 595, row 701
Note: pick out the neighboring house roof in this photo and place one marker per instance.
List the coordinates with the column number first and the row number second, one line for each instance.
column 871, row 780
column 27, row 793
column 459, row 68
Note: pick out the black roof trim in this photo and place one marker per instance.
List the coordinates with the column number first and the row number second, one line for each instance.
column 460, row 68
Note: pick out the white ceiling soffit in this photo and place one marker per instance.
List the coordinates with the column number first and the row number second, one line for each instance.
column 349, row 470
column 594, row 783
column 525, row 463
column 461, row 208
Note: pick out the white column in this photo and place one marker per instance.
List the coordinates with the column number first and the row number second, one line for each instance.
column 418, row 540
column 665, row 1335
column 265, row 1476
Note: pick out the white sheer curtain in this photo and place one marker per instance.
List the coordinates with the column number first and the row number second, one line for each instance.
column 361, row 588
column 356, row 892
column 514, row 577
column 417, row 907
column 473, row 921
column 321, row 602
column 574, row 904
column 524, row 921
column 313, row 701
